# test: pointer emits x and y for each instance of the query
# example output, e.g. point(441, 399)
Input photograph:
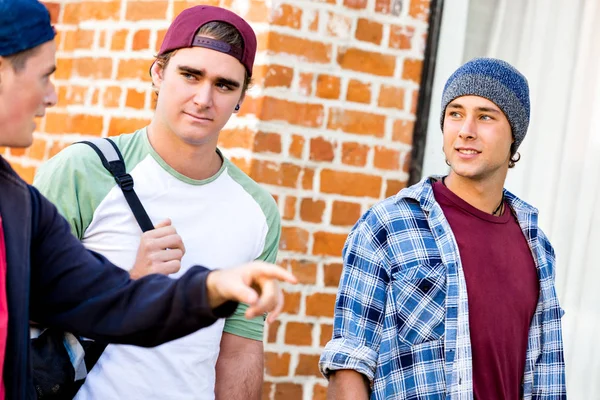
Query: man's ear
point(156, 73)
point(239, 103)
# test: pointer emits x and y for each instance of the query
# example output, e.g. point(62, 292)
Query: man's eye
point(454, 114)
point(486, 118)
point(223, 86)
point(188, 76)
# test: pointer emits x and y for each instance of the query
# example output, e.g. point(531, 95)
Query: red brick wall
point(327, 128)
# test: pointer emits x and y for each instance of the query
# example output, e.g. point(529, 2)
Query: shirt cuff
point(198, 301)
point(341, 353)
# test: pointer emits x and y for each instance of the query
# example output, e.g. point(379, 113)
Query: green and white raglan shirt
point(224, 221)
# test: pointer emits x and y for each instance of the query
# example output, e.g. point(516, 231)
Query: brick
point(419, 9)
point(369, 31)
point(118, 125)
point(308, 365)
point(312, 210)
point(134, 69)
point(102, 39)
point(366, 61)
point(319, 392)
point(265, 142)
point(160, 36)
point(305, 271)
point(358, 91)
point(328, 87)
point(403, 131)
point(53, 10)
point(135, 99)
point(414, 102)
point(280, 174)
point(412, 70)
point(355, 154)
point(305, 83)
point(320, 304)
point(338, 26)
point(119, 39)
point(294, 239)
point(308, 178)
point(273, 329)
point(289, 209)
point(274, 76)
point(321, 149)
point(141, 40)
point(401, 37)
point(291, 302)
point(393, 187)
point(146, 10)
point(304, 49)
point(76, 123)
point(56, 148)
point(84, 39)
point(243, 164)
point(391, 96)
point(64, 68)
point(345, 213)
point(350, 121)
point(302, 114)
point(314, 22)
point(383, 6)
point(236, 138)
point(37, 150)
point(297, 146)
point(328, 244)
point(406, 163)
point(74, 13)
point(27, 173)
point(386, 158)
point(288, 391)
point(267, 387)
point(180, 5)
point(277, 364)
point(356, 4)
point(75, 95)
point(111, 96)
point(350, 183)
point(286, 15)
point(258, 10)
point(98, 68)
point(298, 333)
point(326, 334)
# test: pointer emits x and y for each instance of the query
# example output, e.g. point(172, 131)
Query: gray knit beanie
point(497, 81)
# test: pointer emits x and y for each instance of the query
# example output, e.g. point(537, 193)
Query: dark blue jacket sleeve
point(82, 292)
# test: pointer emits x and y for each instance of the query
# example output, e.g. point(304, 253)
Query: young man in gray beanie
point(47, 276)
point(448, 289)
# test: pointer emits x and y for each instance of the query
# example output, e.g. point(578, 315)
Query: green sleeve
point(237, 324)
point(76, 182)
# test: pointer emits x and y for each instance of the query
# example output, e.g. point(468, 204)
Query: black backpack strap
point(112, 159)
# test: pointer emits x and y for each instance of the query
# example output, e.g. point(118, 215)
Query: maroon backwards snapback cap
point(182, 33)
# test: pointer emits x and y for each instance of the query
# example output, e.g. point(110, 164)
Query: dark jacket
point(53, 280)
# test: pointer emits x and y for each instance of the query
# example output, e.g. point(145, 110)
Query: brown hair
point(18, 60)
point(217, 30)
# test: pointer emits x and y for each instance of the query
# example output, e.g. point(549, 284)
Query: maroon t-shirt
point(503, 289)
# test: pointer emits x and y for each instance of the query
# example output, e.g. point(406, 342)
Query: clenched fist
point(160, 251)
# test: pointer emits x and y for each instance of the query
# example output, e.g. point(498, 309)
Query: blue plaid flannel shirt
point(401, 315)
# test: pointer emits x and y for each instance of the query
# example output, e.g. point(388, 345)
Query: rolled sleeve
point(348, 354)
point(360, 303)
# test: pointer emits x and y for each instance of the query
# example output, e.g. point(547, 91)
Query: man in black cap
point(47, 276)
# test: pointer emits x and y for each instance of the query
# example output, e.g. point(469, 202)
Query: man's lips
point(467, 151)
point(198, 117)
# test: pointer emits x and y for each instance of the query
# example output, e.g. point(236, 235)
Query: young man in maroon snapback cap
point(200, 76)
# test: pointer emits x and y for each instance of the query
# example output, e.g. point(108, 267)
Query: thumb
point(163, 223)
point(241, 292)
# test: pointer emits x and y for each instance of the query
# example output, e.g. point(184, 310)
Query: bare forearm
point(348, 385)
point(239, 369)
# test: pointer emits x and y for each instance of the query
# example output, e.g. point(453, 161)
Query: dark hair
point(217, 30)
point(18, 60)
point(515, 156)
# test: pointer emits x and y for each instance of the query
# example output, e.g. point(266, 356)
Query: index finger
point(269, 271)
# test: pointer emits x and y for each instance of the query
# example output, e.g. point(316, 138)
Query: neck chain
point(497, 212)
